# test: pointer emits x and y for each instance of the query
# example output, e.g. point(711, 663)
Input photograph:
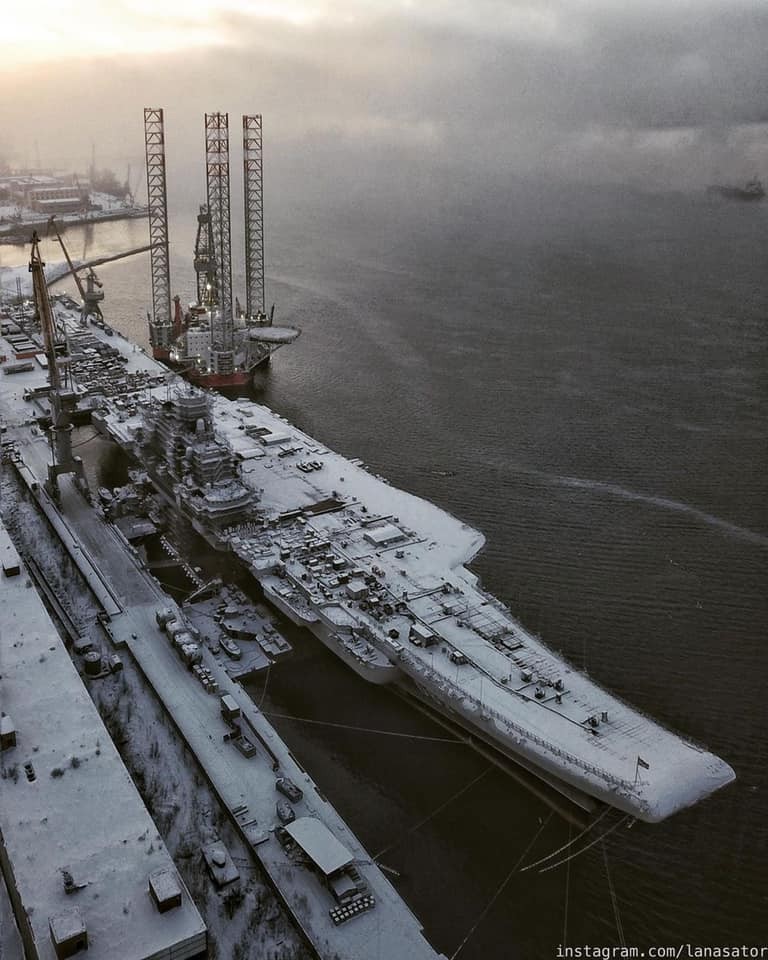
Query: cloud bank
point(405, 95)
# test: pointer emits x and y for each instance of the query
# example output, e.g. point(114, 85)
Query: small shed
point(230, 708)
point(165, 889)
point(422, 636)
point(10, 559)
point(357, 589)
point(384, 535)
point(327, 853)
point(7, 732)
point(68, 933)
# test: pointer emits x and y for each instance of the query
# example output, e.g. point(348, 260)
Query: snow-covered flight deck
point(379, 576)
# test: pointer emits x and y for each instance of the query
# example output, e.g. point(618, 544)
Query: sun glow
point(67, 29)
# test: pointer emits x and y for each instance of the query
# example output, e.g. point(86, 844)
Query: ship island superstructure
point(380, 577)
point(215, 342)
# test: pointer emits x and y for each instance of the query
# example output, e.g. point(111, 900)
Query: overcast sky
point(646, 92)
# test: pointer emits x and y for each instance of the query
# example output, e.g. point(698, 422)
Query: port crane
point(61, 394)
point(92, 293)
point(205, 261)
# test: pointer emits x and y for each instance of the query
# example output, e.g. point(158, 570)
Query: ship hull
point(219, 381)
point(737, 193)
point(582, 791)
point(213, 381)
point(379, 674)
point(523, 766)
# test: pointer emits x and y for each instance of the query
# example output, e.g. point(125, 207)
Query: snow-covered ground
point(81, 841)
point(11, 214)
point(251, 922)
point(9, 275)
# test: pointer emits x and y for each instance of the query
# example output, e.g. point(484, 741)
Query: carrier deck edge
point(379, 576)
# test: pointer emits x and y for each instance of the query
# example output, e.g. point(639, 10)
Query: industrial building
point(83, 863)
point(44, 193)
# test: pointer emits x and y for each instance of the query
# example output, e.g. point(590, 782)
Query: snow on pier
point(77, 840)
point(245, 784)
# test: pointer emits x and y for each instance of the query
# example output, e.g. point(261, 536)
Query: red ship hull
point(240, 378)
point(214, 381)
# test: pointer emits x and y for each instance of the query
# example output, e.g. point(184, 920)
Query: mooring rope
point(567, 891)
point(434, 813)
point(578, 853)
point(614, 899)
point(266, 681)
point(348, 726)
point(549, 856)
point(500, 889)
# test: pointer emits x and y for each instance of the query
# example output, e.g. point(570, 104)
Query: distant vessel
point(752, 190)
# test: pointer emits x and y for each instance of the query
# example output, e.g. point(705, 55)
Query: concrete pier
point(245, 786)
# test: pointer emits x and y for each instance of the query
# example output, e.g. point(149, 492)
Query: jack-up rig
point(61, 395)
point(215, 343)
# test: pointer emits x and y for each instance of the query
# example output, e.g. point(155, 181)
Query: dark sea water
point(581, 375)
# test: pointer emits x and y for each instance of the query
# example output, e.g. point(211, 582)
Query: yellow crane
point(62, 397)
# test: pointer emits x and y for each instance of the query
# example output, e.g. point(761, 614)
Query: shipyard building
point(84, 866)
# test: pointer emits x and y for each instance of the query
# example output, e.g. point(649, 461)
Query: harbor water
point(582, 376)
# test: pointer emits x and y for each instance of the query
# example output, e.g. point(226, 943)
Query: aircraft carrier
point(379, 577)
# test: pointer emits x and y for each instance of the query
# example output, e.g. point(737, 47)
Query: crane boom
point(62, 397)
point(43, 303)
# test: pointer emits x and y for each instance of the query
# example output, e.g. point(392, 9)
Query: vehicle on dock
point(285, 813)
point(288, 789)
point(164, 616)
point(230, 708)
point(230, 647)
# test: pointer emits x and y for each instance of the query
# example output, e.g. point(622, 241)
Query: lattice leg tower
point(254, 216)
point(217, 183)
point(160, 325)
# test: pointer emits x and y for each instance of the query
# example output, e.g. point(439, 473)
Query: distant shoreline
point(14, 235)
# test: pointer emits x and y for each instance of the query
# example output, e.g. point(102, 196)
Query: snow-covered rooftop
point(68, 808)
point(319, 844)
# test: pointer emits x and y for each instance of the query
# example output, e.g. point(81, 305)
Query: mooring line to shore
point(434, 813)
point(349, 726)
point(570, 843)
point(614, 899)
point(578, 853)
point(567, 892)
point(500, 888)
